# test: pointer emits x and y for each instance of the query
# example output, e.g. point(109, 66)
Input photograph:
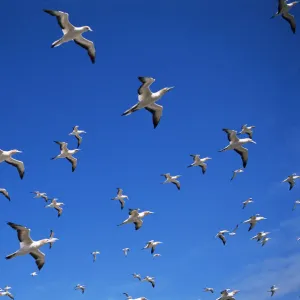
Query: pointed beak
point(170, 88)
point(253, 142)
point(91, 29)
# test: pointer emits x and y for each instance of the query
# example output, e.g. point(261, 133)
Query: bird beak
point(253, 142)
point(90, 29)
point(170, 88)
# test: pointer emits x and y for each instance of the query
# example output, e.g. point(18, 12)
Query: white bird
point(127, 296)
point(233, 232)
point(236, 172)
point(125, 251)
point(291, 180)
point(66, 153)
point(199, 162)
point(80, 287)
point(226, 295)
point(8, 294)
point(56, 205)
point(33, 274)
point(95, 253)
point(264, 240)
point(295, 204)
point(236, 144)
point(172, 179)
point(120, 197)
point(40, 195)
point(221, 236)
point(7, 157)
point(28, 246)
point(283, 10)
point(77, 133)
point(137, 276)
point(247, 130)
point(260, 236)
point(253, 220)
point(72, 33)
point(5, 193)
point(152, 245)
point(150, 279)
point(245, 203)
point(273, 290)
point(140, 298)
point(208, 290)
point(136, 218)
point(147, 100)
point(156, 255)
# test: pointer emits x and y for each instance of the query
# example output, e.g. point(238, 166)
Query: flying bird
point(208, 290)
point(120, 197)
point(72, 33)
point(291, 180)
point(264, 240)
point(33, 274)
point(7, 157)
point(273, 290)
point(260, 236)
point(221, 236)
point(236, 172)
point(77, 133)
point(80, 287)
point(127, 296)
point(245, 203)
point(6, 293)
point(152, 245)
point(253, 220)
point(156, 255)
point(137, 276)
point(172, 179)
point(147, 100)
point(125, 251)
point(40, 195)
point(247, 130)
point(136, 218)
point(150, 279)
point(199, 162)
point(56, 205)
point(295, 204)
point(233, 232)
point(95, 253)
point(5, 194)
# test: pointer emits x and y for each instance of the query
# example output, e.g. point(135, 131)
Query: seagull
point(147, 100)
point(221, 236)
point(40, 195)
point(80, 287)
point(273, 290)
point(127, 296)
point(247, 130)
point(77, 133)
point(50, 237)
point(171, 179)
point(8, 294)
point(253, 220)
point(283, 10)
point(125, 251)
point(208, 290)
point(120, 197)
point(95, 253)
point(233, 232)
point(245, 203)
point(265, 240)
point(236, 172)
point(66, 153)
point(138, 276)
point(136, 218)
point(260, 235)
point(150, 279)
point(236, 144)
point(199, 162)
point(28, 246)
point(295, 204)
point(156, 255)
point(5, 193)
point(7, 157)
point(56, 205)
point(72, 33)
point(33, 274)
point(152, 244)
point(291, 179)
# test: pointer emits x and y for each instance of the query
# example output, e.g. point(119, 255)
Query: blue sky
point(239, 67)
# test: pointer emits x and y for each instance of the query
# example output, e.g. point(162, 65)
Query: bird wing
point(5, 193)
point(203, 167)
point(62, 145)
point(51, 236)
point(59, 210)
point(280, 5)
point(75, 128)
point(249, 133)
point(231, 135)
point(177, 183)
point(144, 88)
point(222, 238)
point(122, 202)
point(73, 161)
point(88, 45)
point(62, 19)
point(120, 192)
point(79, 139)
point(23, 233)
point(39, 258)
point(133, 212)
point(290, 18)
point(18, 164)
point(152, 282)
point(138, 224)
point(156, 111)
point(252, 224)
point(243, 152)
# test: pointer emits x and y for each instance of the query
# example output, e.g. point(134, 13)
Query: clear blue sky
point(230, 64)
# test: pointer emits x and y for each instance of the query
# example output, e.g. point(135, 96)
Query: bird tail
point(10, 256)
point(56, 43)
point(130, 110)
point(55, 157)
point(223, 149)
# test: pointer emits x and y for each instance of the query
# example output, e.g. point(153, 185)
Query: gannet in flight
point(291, 180)
point(77, 133)
point(245, 203)
point(8, 294)
point(136, 218)
point(236, 172)
point(5, 194)
point(95, 253)
point(283, 10)
point(40, 195)
point(28, 246)
point(295, 204)
point(33, 274)
point(151, 244)
point(208, 290)
point(156, 255)
point(233, 232)
point(147, 100)
point(120, 197)
point(236, 144)
point(56, 205)
point(221, 236)
point(199, 162)
point(253, 220)
point(150, 279)
point(80, 287)
point(72, 33)
point(264, 240)
point(226, 295)
point(260, 236)
point(125, 251)
point(247, 130)
point(273, 290)
point(171, 179)
point(138, 276)
point(66, 153)
point(127, 296)
point(7, 157)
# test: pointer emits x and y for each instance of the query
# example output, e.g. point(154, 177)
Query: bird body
point(137, 276)
point(208, 290)
point(152, 245)
point(125, 251)
point(260, 236)
point(235, 173)
point(95, 253)
point(291, 180)
point(150, 279)
point(136, 218)
point(80, 287)
point(273, 290)
point(33, 274)
point(245, 203)
point(40, 195)
point(7, 157)
point(56, 205)
point(199, 162)
point(253, 220)
point(247, 130)
point(120, 197)
point(172, 179)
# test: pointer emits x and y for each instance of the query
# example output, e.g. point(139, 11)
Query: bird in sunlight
point(137, 276)
point(120, 197)
point(56, 205)
point(221, 236)
point(95, 253)
point(151, 245)
point(147, 100)
point(136, 218)
point(226, 295)
point(199, 162)
point(33, 274)
point(253, 220)
point(260, 236)
point(40, 195)
point(236, 144)
point(67, 154)
point(247, 130)
point(291, 180)
point(233, 232)
point(80, 287)
point(171, 179)
point(150, 280)
point(7, 157)
point(125, 251)
point(127, 296)
point(245, 203)
point(208, 290)
point(5, 194)
point(156, 255)
point(265, 240)
point(77, 133)
point(236, 172)
point(6, 293)
point(295, 204)
point(273, 290)
point(28, 246)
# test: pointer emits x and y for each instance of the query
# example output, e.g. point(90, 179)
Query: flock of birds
point(146, 100)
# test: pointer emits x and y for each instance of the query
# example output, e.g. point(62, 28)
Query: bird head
point(148, 212)
point(52, 240)
point(251, 141)
point(87, 28)
point(167, 89)
point(16, 151)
